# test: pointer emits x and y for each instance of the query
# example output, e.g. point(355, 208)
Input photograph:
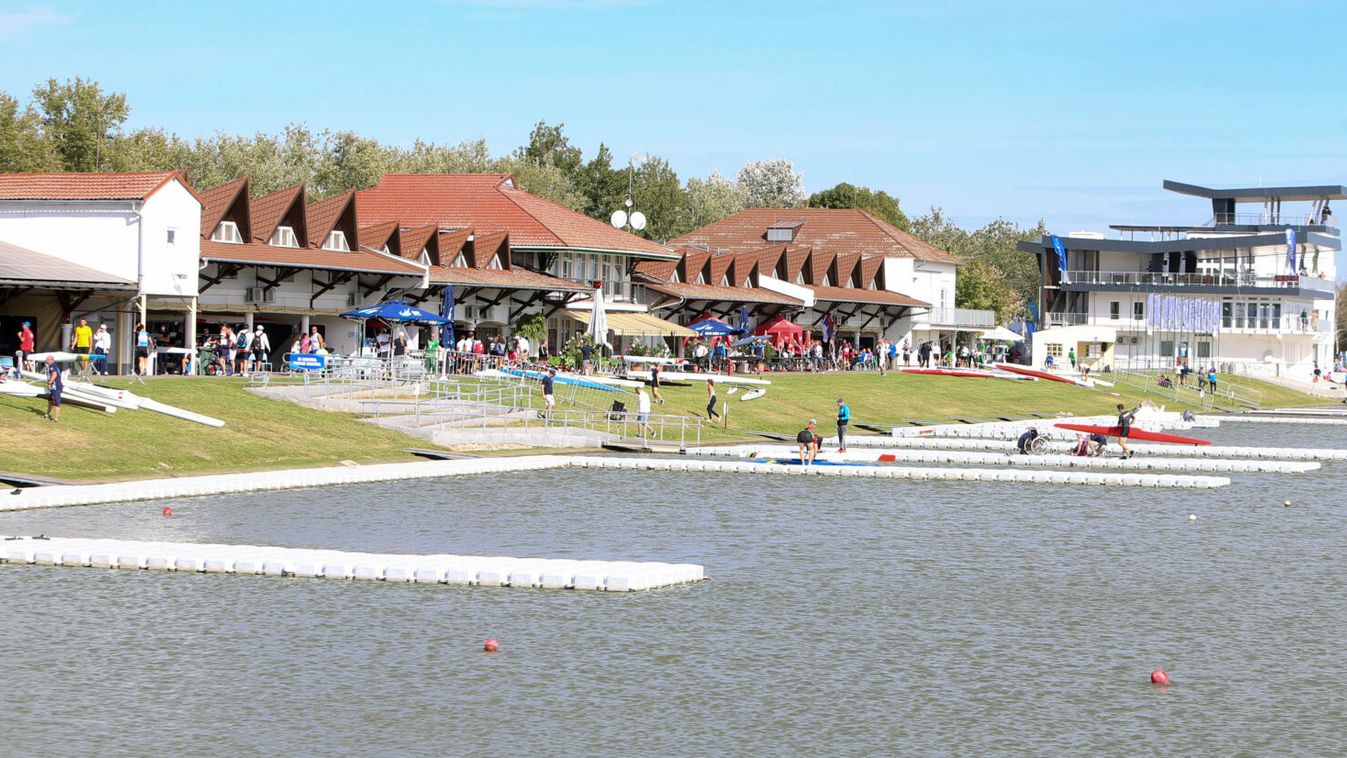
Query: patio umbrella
point(598, 321)
point(395, 311)
point(711, 327)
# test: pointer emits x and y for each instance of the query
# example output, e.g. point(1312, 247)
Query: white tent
point(1001, 334)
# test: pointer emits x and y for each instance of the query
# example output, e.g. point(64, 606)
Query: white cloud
point(13, 24)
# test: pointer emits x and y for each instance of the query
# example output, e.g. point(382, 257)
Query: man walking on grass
point(55, 385)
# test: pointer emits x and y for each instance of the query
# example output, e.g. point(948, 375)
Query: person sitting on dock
point(1125, 427)
point(1027, 440)
point(807, 443)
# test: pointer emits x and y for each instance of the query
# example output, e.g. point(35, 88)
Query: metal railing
point(1227, 395)
point(1056, 318)
point(1263, 219)
point(968, 317)
point(1214, 279)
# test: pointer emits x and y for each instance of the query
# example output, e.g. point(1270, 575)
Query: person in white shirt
point(102, 344)
point(522, 345)
point(643, 411)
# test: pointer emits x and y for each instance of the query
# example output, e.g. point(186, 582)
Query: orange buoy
point(491, 645)
point(167, 511)
point(1159, 676)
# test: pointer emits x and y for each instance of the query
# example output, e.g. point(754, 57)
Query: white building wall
point(170, 268)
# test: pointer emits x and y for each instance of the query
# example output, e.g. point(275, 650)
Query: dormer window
point(725, 281)
point(701, 279)
point(674, 279)
point(826, 281)
point(336, 241)
point(495, 263)
point(284, 236)
point(423, 259)
point(227, 231)
point(783, 231)
point(460, 260)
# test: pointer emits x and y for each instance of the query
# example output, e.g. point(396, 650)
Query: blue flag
point(1061, 252)
point(1291, 249)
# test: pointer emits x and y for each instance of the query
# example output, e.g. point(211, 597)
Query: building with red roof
point(97, 232)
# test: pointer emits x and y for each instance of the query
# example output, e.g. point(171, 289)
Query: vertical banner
point(1291, 249)
point(447, 307)
point(1061, 253)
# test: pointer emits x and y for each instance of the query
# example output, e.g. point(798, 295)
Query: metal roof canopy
point(20, 266)
point(1261, 194)
point(634, 324)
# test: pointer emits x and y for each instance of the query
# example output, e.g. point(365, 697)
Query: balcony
point(960, 318)
point(1291, 283)
point(1065, 319)
point(1230, 324)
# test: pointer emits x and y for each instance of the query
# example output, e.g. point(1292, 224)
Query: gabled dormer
point(821, 273)
point(783, 231)
point(279, 219)
point(225, 213)
point(694, 266)
point(333, 223)
point(453, 247)
point(490, 250)
point(420, 243)
point(872, 272)
point(845, 268)
point(382, 238)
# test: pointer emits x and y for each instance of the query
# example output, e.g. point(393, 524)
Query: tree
point(707, 200)
point(604, 187)
point(771, 184)
point(548, 144)
point(22, 145)
point(80, 122)
point(348, 160)
point(995, 244)
point(429, 158)
point(982, 286)
point(658, 194)
point(148, 150)
point(879, 204)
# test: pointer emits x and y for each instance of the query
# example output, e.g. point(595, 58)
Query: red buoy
point(491, 645)
point(1159, 676)
point(167, 511)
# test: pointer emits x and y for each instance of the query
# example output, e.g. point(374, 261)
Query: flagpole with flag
point(447, 306)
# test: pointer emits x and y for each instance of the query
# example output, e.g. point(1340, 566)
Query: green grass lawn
point(793, 399)
point(259, 433)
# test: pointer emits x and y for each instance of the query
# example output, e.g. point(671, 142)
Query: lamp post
point(626, 218)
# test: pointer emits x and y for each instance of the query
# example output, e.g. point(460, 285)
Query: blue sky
point(1069, 111)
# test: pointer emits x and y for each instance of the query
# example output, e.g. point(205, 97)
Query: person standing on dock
point(55, 385)
point(805, 439)
point(1125, 428)
point(711, 400)
point(843, 419)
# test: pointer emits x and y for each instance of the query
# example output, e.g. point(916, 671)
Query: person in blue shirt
point(843, 418)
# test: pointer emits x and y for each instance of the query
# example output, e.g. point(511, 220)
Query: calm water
point(852, 617)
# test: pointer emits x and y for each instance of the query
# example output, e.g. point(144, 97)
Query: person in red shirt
point(25, 347)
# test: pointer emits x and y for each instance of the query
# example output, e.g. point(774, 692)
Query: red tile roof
point(259, 254)
point(517, 278)
point(835, 230)
point(216, 201)
point(491, 201)
point(853, 295)
point(269, 210)
point(375, 236)
point(82, 186)
point(324, 215)
point(418, 238)
point(691, 292)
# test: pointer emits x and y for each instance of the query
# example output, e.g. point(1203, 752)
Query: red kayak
point(1026, 371)
point(950, 372)
point(1134, 433)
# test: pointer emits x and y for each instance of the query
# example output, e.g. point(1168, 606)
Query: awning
point(626, 324)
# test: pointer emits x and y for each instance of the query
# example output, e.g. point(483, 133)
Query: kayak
point(1026, 371)
point(950, 372)
point(796, 462)
point(1141, 435)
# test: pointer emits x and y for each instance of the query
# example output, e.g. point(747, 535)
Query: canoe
point(1026, 371)
point(1141, 435)
point(754, 394)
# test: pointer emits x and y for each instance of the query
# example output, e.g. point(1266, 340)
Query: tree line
point(75, 126)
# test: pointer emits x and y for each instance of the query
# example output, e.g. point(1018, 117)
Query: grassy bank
point(897, 398)
point(258, 434)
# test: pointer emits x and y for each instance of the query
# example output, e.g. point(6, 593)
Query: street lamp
point(626, 218)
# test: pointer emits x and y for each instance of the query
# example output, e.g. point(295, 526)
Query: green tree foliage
point(80, 122)
point(771, 184)
point(549, 145)
point(707, 200)
point(546, 180)
point(22, 144)
point(1003, 267)
point(879, 204)
point(604, 187)
point(657, 193)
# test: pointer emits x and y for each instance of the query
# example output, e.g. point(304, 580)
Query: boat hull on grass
point(1140, 435)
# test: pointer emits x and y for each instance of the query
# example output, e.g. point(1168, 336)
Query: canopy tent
point(1001, 334)
point(781, 330)
point(395, 312)
point(712, 327)
point(635, 324)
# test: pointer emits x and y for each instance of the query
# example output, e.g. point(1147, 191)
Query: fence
point(1228, 395)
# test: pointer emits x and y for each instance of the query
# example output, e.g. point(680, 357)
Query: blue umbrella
point(712, 327)
point(395, 311)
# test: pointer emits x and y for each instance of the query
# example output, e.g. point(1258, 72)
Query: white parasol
point(598, 320)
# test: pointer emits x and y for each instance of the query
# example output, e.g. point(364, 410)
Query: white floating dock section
point(1010, 430)
point(1141, 448)
point(1279, 420)
point(483, 571)
point(1004, 458)
point(899, 472)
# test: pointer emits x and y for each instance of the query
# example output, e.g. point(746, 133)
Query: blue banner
point(307, 362)
point(447, 307)
point(1291, 249)
point(1061, 252)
